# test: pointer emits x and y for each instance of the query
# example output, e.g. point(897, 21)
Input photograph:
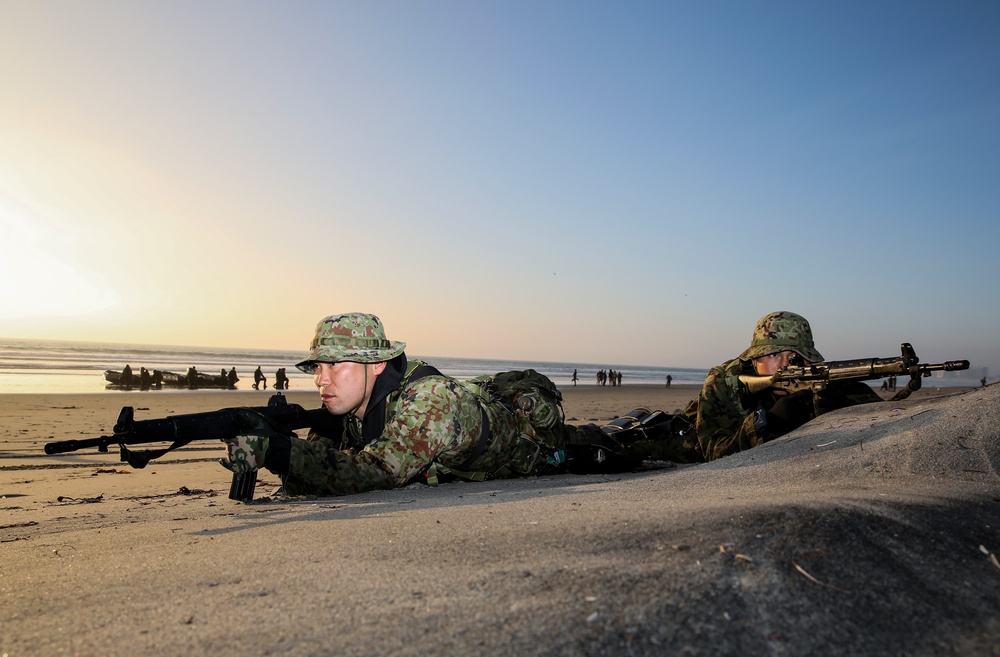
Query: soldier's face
point(768, 365)
point(346, 387)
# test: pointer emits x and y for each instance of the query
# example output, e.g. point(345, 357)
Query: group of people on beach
point(280, 379)
point(396, 420)
point(193, 379)
point(610, 377)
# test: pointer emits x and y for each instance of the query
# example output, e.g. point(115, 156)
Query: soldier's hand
point(790, 412)
point(245, 453)
point(248, 451)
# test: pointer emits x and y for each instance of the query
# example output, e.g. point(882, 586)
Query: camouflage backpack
point(536, 404)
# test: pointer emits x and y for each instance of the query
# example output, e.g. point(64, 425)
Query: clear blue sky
point(608, 182)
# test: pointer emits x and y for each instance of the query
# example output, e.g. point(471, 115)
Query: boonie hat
point(782, 331)
point(353, 337)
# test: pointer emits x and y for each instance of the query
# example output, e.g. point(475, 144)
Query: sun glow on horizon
point(37, 282)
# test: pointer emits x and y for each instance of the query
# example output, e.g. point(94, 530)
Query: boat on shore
point(163, 379)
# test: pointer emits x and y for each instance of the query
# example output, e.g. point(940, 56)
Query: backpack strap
point(384, 404)
point(415, 370)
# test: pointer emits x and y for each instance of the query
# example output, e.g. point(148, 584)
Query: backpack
point(536, 405)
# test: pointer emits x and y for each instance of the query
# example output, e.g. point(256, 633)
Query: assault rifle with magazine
point(179, 430)
point(816, 376)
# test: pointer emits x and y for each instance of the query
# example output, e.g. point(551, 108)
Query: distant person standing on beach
point(669, 380)
point(728, 420)
point(259, 379)
point(404, 421)
point(574, 378)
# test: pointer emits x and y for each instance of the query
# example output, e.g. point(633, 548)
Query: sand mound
point(873, 531)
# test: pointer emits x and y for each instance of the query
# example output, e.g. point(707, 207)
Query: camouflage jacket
point(409, 425)
point(724, 419)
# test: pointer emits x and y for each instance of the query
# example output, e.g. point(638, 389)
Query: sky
point(596, 182)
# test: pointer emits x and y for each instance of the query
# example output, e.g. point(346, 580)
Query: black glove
point(259, 444)
point(789, 413)
point(831, 399)
point(251, 423)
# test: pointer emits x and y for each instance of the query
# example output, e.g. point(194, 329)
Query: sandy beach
point(873, 530)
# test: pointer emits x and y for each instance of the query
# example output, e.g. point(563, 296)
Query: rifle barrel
point(63, 446)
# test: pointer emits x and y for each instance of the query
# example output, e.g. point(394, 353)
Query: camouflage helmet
point(353, 337)
point(782, 331)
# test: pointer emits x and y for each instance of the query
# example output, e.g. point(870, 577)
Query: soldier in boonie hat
point(782, 331)
point(728, 417)
point(392, 421)
point(353, 337)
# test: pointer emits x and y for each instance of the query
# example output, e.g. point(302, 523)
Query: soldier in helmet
point(727, 419)
point(404, 421)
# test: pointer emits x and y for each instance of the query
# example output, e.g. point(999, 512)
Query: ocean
point(49, 366)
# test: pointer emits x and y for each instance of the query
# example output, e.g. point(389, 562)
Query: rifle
point(816, 376)
point(182, 429)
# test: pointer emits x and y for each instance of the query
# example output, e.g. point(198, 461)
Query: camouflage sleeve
point(319, 467)
point(722, 425)
point(434, 419)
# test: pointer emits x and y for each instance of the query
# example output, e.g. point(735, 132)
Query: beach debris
point(680, 547)
point(826, 444)
point(62, 499)
point(30, 523)
point(992, 557)
point(184, 490)
point(98, 471)
point(812, 579)
point(11, 540)
point(742, 557)
point(594, 617)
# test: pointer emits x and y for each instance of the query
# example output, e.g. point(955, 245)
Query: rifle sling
point(139, 458)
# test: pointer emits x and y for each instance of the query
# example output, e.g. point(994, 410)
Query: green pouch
point(525, 455)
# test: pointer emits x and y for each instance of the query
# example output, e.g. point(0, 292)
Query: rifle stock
point(816, 376)
point(180, 430)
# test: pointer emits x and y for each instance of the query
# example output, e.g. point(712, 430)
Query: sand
point(870, 531)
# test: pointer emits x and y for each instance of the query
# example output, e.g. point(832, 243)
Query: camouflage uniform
point(434, 420)
point(727, 419)
point(421, 423)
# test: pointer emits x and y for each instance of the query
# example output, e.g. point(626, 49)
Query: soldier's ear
point(378, 368)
